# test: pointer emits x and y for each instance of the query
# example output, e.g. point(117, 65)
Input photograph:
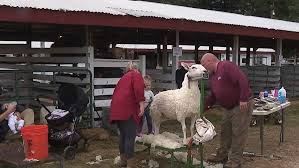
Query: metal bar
point(261, 122)
point(202, 96)
point(282, 126)
point(172, 160)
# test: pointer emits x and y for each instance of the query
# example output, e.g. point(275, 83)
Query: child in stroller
point(62, 122)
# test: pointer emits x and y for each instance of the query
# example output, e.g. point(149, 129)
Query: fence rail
point(290, 80)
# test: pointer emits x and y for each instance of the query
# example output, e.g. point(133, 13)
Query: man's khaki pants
point(234, 130)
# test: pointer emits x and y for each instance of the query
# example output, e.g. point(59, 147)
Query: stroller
point(62, 122)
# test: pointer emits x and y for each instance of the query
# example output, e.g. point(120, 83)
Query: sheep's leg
point(157, 126)
point(184, 131)
point(193, 119)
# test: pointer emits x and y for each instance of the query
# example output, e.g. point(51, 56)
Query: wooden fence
point(262, 77)
point(290, 79)
point(32, 73)
point(161, 81)
point(37, 72)
point(107, 72)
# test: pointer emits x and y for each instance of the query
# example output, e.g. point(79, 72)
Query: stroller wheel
point(69, 153)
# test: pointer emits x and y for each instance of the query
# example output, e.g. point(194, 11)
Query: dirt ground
point(288, 152)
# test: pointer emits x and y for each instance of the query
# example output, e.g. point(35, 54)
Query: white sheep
point(180, 103)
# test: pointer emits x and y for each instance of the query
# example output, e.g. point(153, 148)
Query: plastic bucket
point(35, 139)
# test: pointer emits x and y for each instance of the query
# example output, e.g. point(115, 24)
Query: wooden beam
point(103, 92)
point(68, 50)
point(44, 60)
point(112, 63)
point(106, 81)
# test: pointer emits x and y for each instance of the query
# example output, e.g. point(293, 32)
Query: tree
point(279, 9)
point(293, 7)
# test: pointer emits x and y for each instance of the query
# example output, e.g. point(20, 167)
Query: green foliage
point(278, 9)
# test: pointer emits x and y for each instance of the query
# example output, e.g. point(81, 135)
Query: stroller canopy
point(72, 98)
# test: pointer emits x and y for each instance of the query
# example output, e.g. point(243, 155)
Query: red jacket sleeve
point(138, 86)
point(237, 76)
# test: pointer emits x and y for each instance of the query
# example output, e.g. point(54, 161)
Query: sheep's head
point(196, 72)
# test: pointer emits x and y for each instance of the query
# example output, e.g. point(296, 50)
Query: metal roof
point(156, 10)
point(186, 47)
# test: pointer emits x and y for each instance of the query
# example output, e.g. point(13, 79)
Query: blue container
point(266, 93)
point(282, 95)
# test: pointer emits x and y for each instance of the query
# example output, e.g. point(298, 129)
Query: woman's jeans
point(127, 129)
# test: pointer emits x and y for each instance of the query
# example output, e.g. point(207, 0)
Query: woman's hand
point(141, 107)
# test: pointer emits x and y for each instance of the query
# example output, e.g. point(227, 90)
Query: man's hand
point(243, 106)
point(9, 108)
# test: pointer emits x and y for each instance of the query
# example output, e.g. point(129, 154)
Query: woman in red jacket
point(127, 108)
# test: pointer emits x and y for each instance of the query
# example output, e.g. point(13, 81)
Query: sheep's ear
point(185, 65)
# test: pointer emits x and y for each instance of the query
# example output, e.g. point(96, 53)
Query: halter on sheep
point(180, 103)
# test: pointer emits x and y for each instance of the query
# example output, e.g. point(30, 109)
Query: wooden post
point(254, 56)
point(165, 54)
point(159, 54)
point(175, 58)
point(296, 52)
point(90, 55)
point(227, 53)
point(142, 64)
point(236, 49)
point(196, 54)
point(210, 48)
point(278, 56)
point(27, 76)
point(248, 56)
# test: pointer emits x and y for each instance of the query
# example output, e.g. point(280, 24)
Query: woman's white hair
point(132, 66)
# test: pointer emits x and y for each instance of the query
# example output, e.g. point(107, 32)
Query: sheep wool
point(165, 140)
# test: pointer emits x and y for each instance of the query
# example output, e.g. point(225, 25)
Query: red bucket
point(35, 138)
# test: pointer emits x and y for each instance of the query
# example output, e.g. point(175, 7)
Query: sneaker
point(151, 133)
